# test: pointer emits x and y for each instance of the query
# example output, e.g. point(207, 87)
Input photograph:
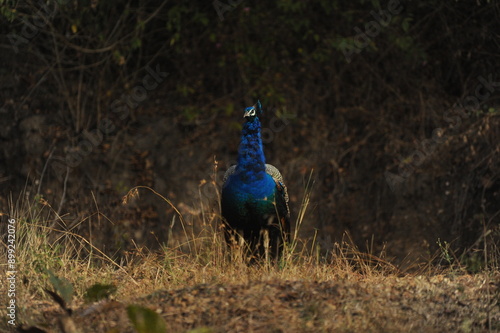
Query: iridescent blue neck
point(251, 161)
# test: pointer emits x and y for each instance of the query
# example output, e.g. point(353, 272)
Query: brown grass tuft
point(198, 283)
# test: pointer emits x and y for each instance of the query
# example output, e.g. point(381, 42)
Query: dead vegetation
point(207, 290)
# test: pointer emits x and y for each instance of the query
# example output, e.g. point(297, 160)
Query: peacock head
point(252, 112)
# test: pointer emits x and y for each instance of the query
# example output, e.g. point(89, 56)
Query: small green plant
point(8, 10)
point(445, 251)
point(62, 287)
point(201, 330)
point(145, 320)
point(99, 291)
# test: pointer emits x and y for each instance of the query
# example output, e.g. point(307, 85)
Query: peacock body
point(254, 198)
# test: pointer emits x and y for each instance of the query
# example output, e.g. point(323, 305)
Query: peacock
point(254, 198)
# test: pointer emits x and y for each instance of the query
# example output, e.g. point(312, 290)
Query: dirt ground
point(440, 303)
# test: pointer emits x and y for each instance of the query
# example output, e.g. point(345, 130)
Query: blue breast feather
point(256, 189)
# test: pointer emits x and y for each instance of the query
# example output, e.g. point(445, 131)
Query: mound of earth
point(380, 304)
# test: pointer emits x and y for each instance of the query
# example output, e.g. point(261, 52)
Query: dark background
point(393, 106)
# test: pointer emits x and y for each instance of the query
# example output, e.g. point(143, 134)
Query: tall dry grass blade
point(134, 192)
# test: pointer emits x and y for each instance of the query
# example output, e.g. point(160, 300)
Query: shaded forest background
point(393, 105)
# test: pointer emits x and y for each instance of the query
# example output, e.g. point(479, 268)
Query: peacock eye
point(252, 112)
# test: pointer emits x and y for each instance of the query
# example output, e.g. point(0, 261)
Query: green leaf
point(229, 109)
point(99, 291)
point(406, 24)
point(136, 43)
point(201, 330)
point(62, 287)
point(145, 320)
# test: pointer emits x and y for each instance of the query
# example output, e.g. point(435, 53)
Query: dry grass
point(307, 291)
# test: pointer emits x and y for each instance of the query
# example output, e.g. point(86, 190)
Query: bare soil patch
point(467, 303)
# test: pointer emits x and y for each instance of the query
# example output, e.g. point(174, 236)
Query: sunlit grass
point(199, 256)
point(44, 244)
